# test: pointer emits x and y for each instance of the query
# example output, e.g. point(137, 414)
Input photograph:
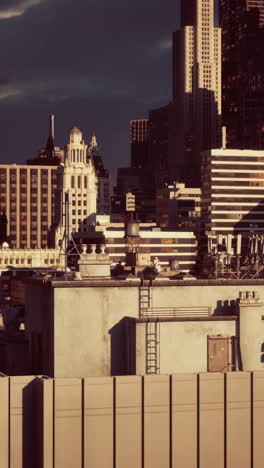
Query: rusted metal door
point(218, 354)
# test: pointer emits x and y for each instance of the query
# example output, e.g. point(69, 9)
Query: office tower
point(139, 141)
point(231, 11)
point(77, 186)
point(27, 198)
point(196, 87)
point(233, 191)
point(257, 4)
point(159, 144)
point(178, 207)
point(103, 178)
point(140, 183)
point(242, 23)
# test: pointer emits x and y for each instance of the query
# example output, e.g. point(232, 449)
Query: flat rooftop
point(117, 283)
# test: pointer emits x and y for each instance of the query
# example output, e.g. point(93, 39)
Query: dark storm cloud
point(115, 53)
point(78, 47)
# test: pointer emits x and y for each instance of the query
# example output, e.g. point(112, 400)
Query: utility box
point(218, 353)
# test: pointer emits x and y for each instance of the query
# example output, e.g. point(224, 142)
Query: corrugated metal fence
point(179, 421)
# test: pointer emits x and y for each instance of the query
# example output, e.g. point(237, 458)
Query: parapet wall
point(184, 420)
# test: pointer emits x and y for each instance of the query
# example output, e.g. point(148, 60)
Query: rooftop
point(118, 283)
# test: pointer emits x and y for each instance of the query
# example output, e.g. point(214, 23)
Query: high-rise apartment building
point(27, 197)
point(242, 23)
point(233, 191)
point(196, 85)
point(139, 140)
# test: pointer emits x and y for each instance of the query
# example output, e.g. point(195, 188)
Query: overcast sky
point(95, 64)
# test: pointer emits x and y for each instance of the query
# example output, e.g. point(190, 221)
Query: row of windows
point(79, 203)
point(79, 212)
point(79, 182)
point(24, 261)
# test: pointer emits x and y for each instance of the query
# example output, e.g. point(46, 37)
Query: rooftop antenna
point(50, 141)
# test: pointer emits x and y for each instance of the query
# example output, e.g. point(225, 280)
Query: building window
point(72, 182)
point(79, 181)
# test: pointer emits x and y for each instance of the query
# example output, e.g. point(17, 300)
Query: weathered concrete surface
point(183, 345)
point(86, 327)
point(251, 327)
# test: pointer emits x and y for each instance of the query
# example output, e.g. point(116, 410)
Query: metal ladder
point(145, 295)
point(152, 347)
point(152, 329)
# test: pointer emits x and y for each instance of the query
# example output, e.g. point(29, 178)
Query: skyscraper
point(27, 198)
point(139, 140)
point(231, 11)
point(233, 191)
point(242, 23)
point(257, 4)
point(196, 85)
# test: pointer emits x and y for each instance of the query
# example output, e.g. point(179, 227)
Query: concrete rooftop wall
point(88, 338)
point(182, 345)
point(82, 332)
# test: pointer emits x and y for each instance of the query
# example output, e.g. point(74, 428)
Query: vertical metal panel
point(19, 423)
point(184, 421)
point(98, 422)
point(46, 421)
point(258, 418)
point(128, 422)
point(156, 421)
point(211, 420)
point(4, 422)
point(238, 420)
point(68, 423)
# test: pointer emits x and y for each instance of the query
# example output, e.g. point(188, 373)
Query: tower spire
point(93, 142)
point(52, 121)
point(50, 141)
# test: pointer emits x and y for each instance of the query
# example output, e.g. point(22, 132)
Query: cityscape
point(132, 304)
